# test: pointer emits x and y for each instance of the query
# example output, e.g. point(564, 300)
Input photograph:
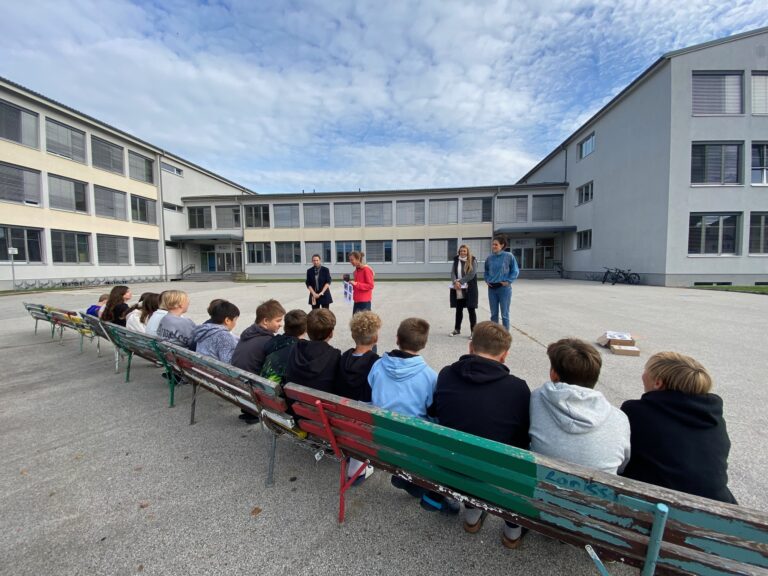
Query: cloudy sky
point(331, 95)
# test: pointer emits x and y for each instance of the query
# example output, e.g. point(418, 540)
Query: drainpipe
point(160, 155)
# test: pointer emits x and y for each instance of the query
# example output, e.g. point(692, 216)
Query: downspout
point(160, 155)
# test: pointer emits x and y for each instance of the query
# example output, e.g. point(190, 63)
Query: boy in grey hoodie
point(570, 420)
point(214, 338)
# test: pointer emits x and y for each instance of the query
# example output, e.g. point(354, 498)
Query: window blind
point(717, 93)
point(64, 141)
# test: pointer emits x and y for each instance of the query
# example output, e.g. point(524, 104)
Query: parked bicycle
point(615, 275)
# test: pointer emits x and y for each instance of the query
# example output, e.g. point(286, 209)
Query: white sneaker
point(367, 473)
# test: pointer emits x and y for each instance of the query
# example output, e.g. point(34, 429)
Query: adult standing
point(464, 288)
point(319, 284)
point(500, 271)
point(362, 282)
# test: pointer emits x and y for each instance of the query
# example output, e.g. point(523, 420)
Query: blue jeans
point(360, 307)
point(499, 299)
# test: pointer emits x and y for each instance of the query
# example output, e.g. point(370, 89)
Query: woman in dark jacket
point(464, 288)
point(319, 284)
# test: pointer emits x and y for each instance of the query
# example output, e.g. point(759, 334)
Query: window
point(584, 193)
point(107, 156)
point(165, 167)
point(475, 210)
point(548, 208)
point(18, 125)
point(759, 92)
point(227, 216)
point(26, 240)
point(66, 194)
point(323, 249)
point(346, 214)
point(584, 240)
point(512, 209)
point(410, 212)
point(378, 251)
point(587, 146)
point(70, 247)
point(257, 216)
point(344, 247)
point(172, 207)
point(717, 93)
point(145, 251)
point(443, 212)
point(758, 233)
point(716, 163)
point(19, 185)
point(65, 141)
point(442, 250)
point(110, 203)
point(259, 252)
point(141, 168)
point(143, 210)
point(378, 213)
point(288, 252)
point(112, 249)
point(410, 251)
point(317, 215)
point(759, 163)
point(199, 217)
point(480, 247)
point(713, 234)
point(286, 215)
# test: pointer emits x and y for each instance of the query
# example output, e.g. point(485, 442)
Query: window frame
point(415, 203)
point(452, 211)
point(115, 194)
point(325, 252)
point(321, 219)
point(73, 131)
point(416, 242)
point(540, 197)
point(235, 214)
point(109, 148)
point(171, 169)
point(763, 168)
point(386, 248)
point(251, 249)
point(586, 146)
point(355, 217)
point(149, 206)
point(136, 252)
point(584, 239)
point(515, 202)
point(148, 169)
point(706, 93)
point(485, 202)
point(30, 197)
point(720, 232)
point(384, 218)
point(74, 191)
point(762, 230)
point(22, 111)
point(294, 214)
point(706, 145)
point(450, 253)
point(119, 240)
point(251, 213)
point(78, 238)
point(585, 193)
point(8, 234)
point(344, 247)
point(295, 249)
point(193, 212)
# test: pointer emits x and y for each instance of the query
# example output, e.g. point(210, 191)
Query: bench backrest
point(142, 345)
point(69, 319)
point(574, 504)
point(37, 311)
point(94, 323)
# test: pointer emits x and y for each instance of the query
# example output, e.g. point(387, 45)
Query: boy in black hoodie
point(278, 349)
point(356, 362)
point(314, 362)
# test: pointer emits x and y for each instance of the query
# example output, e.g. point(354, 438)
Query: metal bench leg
point(36, 321)
point(82, 337)
point(194, 403)
point(128, 367)
point(117, 359)
point(171, 386)
point(272, 456)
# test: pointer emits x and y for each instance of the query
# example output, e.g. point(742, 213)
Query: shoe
point(475, 528)
point(363, 476)
point(402, 484)
point(454, 333)
point(512, 541)
point(249, 418)
point(446, 505)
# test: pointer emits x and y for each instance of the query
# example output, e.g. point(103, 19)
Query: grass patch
point(747, 289)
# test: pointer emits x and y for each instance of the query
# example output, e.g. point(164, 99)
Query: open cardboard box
point(611, 338)
point(625, 350)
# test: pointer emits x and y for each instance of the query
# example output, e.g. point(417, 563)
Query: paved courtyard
point(99, 476)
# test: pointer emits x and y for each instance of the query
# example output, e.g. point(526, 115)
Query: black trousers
point(460, 316)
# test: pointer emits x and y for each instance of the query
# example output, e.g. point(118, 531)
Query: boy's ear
point(503, 357)
point(471, 348)
point(658, 384)
point(375, 338)
point(554, 376)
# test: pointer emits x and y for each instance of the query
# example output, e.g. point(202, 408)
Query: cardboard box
point(610, 338)
point(625, 350)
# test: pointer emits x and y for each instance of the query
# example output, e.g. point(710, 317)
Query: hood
point(399, 369)
point(357, 367)
point(575, 409)
point(692, 410)
point(478, 370)
point(312, 357)
point(278, 343)
point(254, 330)
point(203, 331)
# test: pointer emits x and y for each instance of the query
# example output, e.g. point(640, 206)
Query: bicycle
point(618, 275)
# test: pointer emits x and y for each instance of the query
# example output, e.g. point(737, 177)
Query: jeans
point(360, 307)
point(499, 299)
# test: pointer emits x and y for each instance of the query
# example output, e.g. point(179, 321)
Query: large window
point(165, 167)
point(758, 233)
point(322, 249)
point(66, 194)
point(64, 140)
point(199, 217)
point(584, 193)
point(476, 210)
point(584, 240)
point(378, 213)
point(145, 251)
point(143, 210)
point(259, 252)
point(759, 163)
point(227, 216)
point(410, 212)
point(378, 251)
point(110, 203)
point(442, 250)
point(587, 146)
point(25, 240)
point(344, 247)
point(717, 93)
point(512, 209)
point(286, 215)
point(716, 163)
point(317, 215)
point(107, 156)
point(410, 251)
point(141, 168)
point(70, 247)
point(257, 216)
point(18, 125)
point(346, 214)
point(480, 247)
point(713, 234)
point(548, 208)
point(759, 92)
point(19, 184)
point(443, 212)
point(112, 249)
point(288, 252)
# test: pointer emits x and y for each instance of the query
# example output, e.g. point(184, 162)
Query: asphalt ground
point(99, 476)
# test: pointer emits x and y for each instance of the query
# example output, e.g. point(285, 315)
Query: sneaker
point(512, 538)
point(469, 515)
point(363, 476)
point(454, 333)
point(402, 484)
point(444, 505)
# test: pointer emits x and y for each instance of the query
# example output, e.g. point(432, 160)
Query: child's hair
point(116, 296)
point(679, 372)
point(222, 310)
point(490, 338)
point(412, 334)
point(104, 297)
point(295, 323)
point(468, 263)
point(575, 361)
point(269, 310)
point(171, 299)
point(357, 255)
point(501, 239)
point(211, 306)
point(320, 324)
point(364, 327)
point(161, 306)
point(150, 302)
point(139, 304)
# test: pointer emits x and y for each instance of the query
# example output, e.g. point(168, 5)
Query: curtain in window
point(717, 94)
point(317, 215)
point(288, 252)
point(18, 125)
point(227, 217)
point(321, 248)
point(346, 214)
point(512, 209)
point(442, 250)
point(106, 155)
point(110, 203)
point(66, 194)
point(140, 168)
point(443, 212)
point(410, 212)
point(410, 251)
point(65, 141)
point(378, 213)
point(19, 185)
point(547, 208)
point(480, 247)
point(474, 210)
point(112, 249)
point(759, 93)
point(145, 251)
point(378, 250)
point(286, 215)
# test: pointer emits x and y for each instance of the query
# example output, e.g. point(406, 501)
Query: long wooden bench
point(96, 326)
point(663, 531)
point(60, 319)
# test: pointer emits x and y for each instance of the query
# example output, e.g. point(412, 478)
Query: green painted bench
point(60, 319)
point(101, 333)
point(662, 531)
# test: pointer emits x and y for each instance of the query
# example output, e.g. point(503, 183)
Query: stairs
point(209, 277)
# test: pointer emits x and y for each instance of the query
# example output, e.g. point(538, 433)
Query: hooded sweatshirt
point(313, 363)
point(215, 340)
point(403, 383)
point(579, 425)
point(353, 375)
point(276, 354)
point(680, 441)
point(249, 352)
point(479, 396)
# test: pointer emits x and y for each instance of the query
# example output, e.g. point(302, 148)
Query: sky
point(332, 95)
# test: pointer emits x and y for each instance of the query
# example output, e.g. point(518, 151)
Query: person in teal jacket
point(500, 271)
